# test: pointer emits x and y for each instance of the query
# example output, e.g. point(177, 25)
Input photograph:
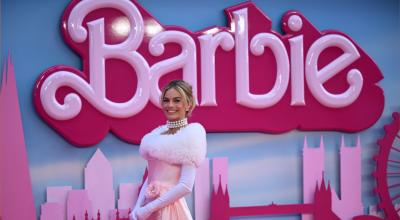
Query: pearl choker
point(177, 124)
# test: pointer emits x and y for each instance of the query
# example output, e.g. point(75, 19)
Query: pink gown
point(167, 157)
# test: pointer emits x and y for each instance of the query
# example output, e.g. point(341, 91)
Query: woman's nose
point(170, 104)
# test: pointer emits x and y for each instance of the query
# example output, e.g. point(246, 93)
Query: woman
point(173, 152)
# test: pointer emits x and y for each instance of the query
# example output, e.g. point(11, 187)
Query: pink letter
point(243, 95)
point(208, 45)
point(316, 78)
point(185, 60)
point(99, 51)
point(297, 70)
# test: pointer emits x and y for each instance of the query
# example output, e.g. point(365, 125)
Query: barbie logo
point(246, 77)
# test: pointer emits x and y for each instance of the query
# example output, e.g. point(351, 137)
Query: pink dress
point(166, 154)
point(177, 210)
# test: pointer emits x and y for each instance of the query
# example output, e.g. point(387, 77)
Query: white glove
point(143, 213)
point(181, 189)
point(132, 215)
point(139, 201)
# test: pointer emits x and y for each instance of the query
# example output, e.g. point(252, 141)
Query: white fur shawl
point(187, 146)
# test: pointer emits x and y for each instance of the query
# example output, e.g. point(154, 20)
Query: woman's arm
point(181, 189)
point(139, 201)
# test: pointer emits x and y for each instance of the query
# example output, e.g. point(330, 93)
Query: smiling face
point(174, 105)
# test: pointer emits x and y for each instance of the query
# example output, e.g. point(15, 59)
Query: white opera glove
point(132, 215)
point(139, 201)
point(181, 189)
point(143, 213)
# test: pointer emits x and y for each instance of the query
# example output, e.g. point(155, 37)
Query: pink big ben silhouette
point(349, 204)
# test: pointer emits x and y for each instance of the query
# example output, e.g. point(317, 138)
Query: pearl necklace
point(177, 124)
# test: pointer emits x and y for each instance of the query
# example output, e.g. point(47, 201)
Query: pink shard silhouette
point(15, 183)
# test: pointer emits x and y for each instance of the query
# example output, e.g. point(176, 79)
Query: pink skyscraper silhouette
point(16, 197)
point(99, 184)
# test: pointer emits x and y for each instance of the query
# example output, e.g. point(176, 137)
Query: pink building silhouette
point(220, 173)
point(313, 168)
point(78, 204)
point(202, 191)
point(97, 197)
point(349, 204)
point(98, 181)
point(128, 193)
point(99, 184)
point(56, 195)
point(320, 208)
point(52, 210)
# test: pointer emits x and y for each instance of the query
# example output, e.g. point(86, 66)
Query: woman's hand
point(132, 215)
point(143, 213)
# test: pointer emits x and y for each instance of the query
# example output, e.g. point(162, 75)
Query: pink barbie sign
point(246, 76)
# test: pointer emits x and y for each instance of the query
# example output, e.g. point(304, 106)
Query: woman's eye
point(177, 100)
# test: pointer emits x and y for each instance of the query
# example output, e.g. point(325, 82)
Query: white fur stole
point(188, 146)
